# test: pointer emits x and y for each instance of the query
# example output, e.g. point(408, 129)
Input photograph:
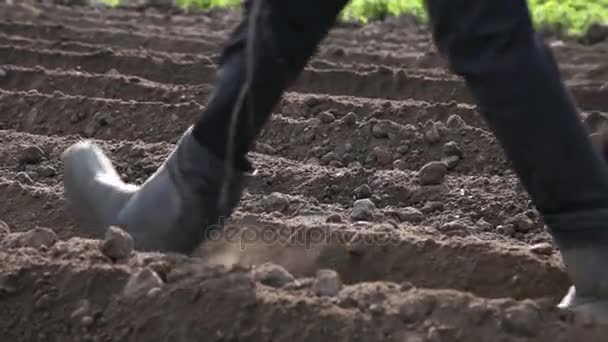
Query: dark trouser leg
point(288, 32)
point(516, 84)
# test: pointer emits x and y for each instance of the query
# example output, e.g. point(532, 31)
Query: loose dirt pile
point(375, 165)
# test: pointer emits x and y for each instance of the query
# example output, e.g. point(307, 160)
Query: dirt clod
point(276, 202)
point(31, 155)
point(455, 121)
point(363, 210)
point(141, 282)
point(326, 117)
point(272, 275)
point(327, 283)
point(409, 214)
point(432, 173)
point(382, 155)
point(117, 244)
point(452, 149)
point(522, 223)
point(522, 319)
point(362, 191)
point(543, 248)
point(35, 238)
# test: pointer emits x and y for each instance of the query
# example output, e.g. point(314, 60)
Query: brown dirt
point(374, 106)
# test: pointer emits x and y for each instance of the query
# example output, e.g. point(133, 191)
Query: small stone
point(432, 206)
point(141, 282)
point(455, 122)
point(334, 218)
point(522, 223)
point(452, 149)
point(382, 155)
point(543, 248)
point(327, 283)
point(276, 202)
point(380, 129)
point(46, 171)
point(410, 214)
point(432, 173)
point(523, 319)
point(326, 117)
point(329, 157)
point(2, 73)
point(431, 133)
point(403, 149)
point(506, 230)
point(363, 210)
point(456, 225)
point(31, 155)
point(117, 244)
point(400, 165)
point(350, 119)
point(35, 238)
point(362, 191)
point(86, 321)
point(451, 162)
point(272, 275)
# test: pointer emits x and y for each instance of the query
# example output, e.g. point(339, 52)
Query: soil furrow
point(371, 142)
point(359, 257)
point(383, 83)
point(391, 191)
point(375, 164)
point(57, 296)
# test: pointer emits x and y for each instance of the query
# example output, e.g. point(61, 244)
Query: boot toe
point(93, 187)
point(594, 308)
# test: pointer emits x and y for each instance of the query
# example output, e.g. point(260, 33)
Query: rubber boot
point(174, 210)
point(93, 188)
point(586, 267)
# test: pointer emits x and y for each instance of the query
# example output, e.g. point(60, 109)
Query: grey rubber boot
point(586, 267)
point(174, 210)
point(93, 188)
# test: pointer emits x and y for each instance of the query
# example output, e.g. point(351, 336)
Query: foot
point(173, 211)
point(589, 294)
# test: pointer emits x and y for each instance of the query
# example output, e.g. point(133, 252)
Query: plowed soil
point(466, 258)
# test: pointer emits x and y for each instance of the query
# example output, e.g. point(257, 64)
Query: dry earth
point(447, 251)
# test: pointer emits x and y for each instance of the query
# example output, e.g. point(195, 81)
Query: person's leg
point(287, 34)
point(516, 83)
point(201, 182)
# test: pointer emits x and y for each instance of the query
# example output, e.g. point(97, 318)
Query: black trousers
point(492, 44)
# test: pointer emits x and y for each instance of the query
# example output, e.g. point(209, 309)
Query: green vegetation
point(567, 16)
